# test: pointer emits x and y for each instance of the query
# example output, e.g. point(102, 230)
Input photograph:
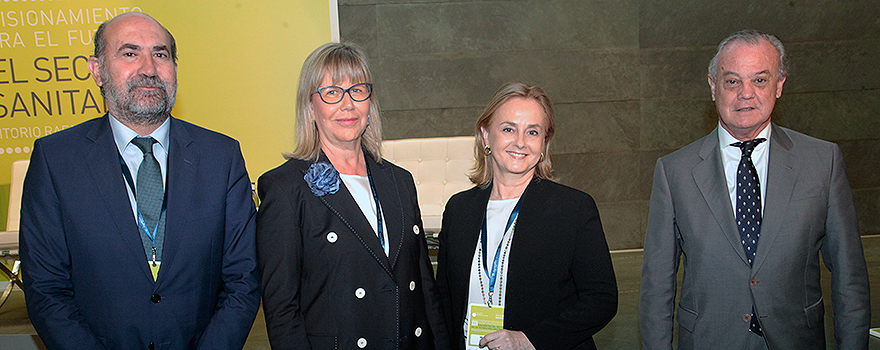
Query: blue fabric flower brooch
point(322, 179)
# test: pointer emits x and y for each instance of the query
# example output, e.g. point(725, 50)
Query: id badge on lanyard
point(482, 320)
point(485, 318)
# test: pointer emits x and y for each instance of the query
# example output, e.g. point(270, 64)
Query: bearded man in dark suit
point(137, 229)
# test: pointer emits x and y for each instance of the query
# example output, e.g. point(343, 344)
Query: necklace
point(488, 300)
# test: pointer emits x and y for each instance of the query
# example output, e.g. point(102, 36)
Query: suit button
point(152, 346)
point(360, 293)
point(331, 237)
point(155, 298)
point(416, 229)
point(747, 318)
point(753, 282)
point(412, 285)
point(362, 343)
point(418, 332)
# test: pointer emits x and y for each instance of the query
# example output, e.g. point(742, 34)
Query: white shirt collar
point(725, 138)
point(123, 135)
point(730, 157)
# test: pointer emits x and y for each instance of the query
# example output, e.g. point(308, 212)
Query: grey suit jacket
point(808, 209)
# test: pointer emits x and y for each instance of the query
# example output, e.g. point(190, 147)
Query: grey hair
point(752, 37)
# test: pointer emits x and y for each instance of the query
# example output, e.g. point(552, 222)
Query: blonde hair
point(482, 173)
point(340, 61)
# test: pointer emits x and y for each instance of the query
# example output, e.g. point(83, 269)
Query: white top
point(497, 214)
point(359, 186)
point(730, 156)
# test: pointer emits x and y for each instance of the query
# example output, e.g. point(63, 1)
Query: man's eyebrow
point(135, 47)
point(129, 47)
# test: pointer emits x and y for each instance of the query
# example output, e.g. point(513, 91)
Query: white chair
point(9, 238)
point(439, 167)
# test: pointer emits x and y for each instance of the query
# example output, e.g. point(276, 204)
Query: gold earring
point(487, 151)
point(542, 157)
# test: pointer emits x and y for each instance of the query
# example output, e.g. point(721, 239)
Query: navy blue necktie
point(748, 210)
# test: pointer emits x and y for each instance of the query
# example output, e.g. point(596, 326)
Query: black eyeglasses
point(333, 94)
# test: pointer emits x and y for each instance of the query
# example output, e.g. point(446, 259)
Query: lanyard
point(142, 224)
point(484, 237)
point(380, 231)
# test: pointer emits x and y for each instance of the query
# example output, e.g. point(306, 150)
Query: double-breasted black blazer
point(561, 287)
point(327, 283)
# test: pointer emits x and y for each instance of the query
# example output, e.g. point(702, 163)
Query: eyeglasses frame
point(318, 91)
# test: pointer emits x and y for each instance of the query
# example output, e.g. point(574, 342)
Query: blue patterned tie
point(150, 192)
point(748, 210)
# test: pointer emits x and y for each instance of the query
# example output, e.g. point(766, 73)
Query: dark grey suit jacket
point(808, 209)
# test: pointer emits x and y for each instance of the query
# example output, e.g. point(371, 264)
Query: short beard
point(141, 108)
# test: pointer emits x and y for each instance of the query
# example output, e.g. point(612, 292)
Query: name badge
point(154, 268)
point(483, 320)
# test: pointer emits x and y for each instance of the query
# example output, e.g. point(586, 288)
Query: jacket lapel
point(471, 222)
point(343, 205)
point(710, 179)
point(182, 166)
point(527, 238)
point(391, 203)
point(781, 177)
point(103, 162)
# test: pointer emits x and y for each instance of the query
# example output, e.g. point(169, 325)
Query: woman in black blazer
point(340, 245)
point(544, 243)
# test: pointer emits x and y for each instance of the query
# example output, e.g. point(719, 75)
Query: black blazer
point(561, 287)
point(327, 283)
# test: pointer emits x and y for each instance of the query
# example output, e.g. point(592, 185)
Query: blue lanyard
point(142, 224)
point(484, 237)
point(379, 229)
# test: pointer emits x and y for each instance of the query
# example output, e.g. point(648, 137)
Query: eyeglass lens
point(334, 94)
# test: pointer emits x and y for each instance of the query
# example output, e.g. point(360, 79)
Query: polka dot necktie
point(748, 210)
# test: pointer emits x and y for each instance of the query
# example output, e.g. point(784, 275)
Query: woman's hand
point(506, 340)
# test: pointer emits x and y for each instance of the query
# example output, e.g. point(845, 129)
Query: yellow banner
point(238, 69)
point(44, 83)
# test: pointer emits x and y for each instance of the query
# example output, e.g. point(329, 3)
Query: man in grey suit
point(751, 279)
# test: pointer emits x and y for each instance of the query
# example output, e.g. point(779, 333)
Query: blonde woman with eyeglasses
point(340, 244)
